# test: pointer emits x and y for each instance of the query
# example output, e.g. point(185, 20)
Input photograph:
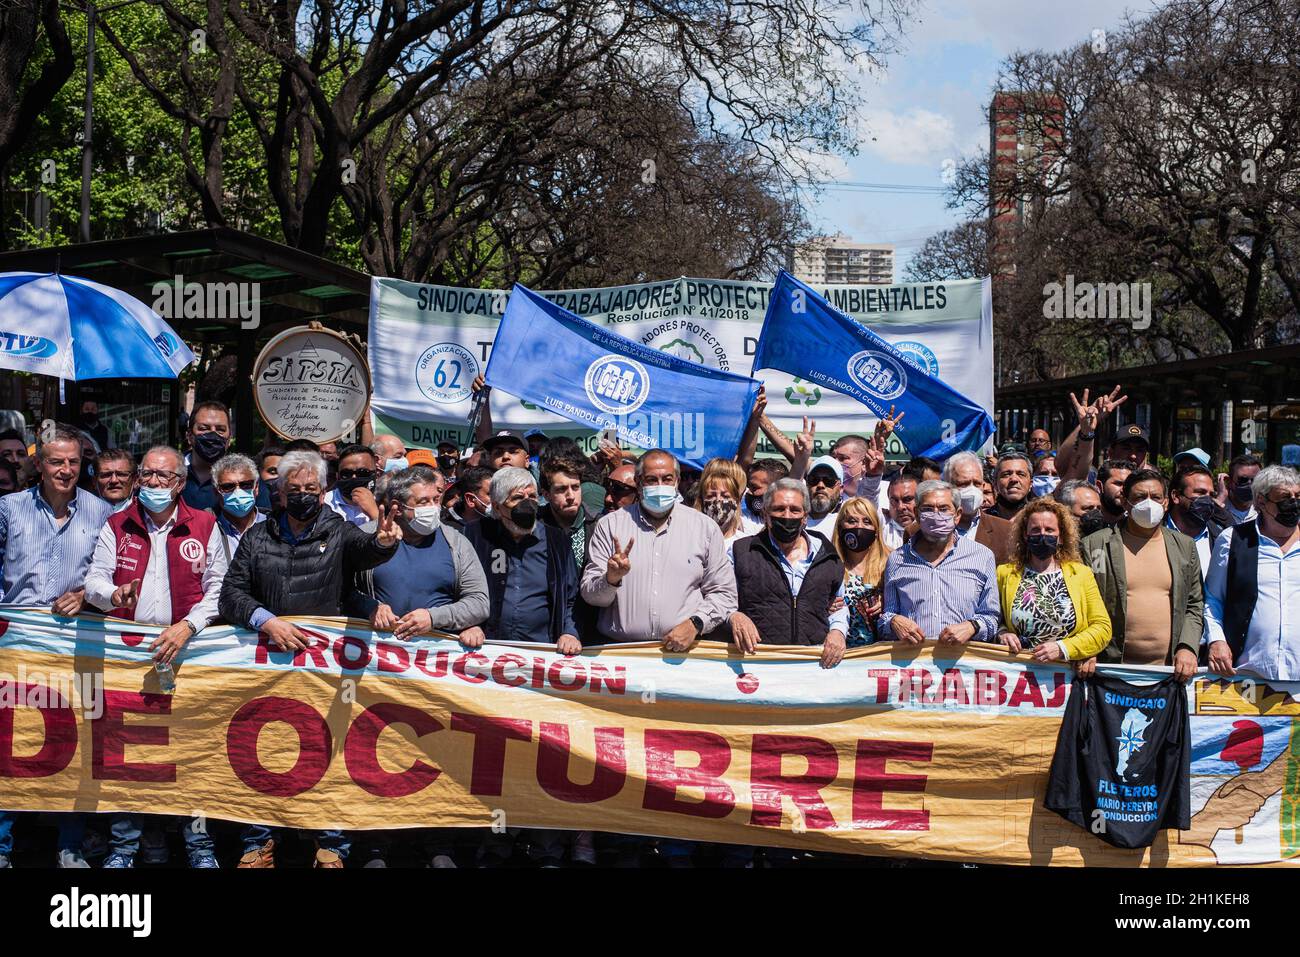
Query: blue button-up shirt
point(1272, 647)
point(962, 587)
point(795, 572)
point(526, 590)
point(40, 559)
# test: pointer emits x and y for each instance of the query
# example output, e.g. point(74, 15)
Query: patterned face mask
point(721, 510)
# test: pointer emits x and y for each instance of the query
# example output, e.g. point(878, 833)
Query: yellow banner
point(915, 752)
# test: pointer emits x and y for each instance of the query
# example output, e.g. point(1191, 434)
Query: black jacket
point(584, 615)
point(763, 591)
point(488, 534)
point(306, 578)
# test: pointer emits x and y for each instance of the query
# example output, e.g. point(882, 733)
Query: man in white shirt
point(1252, 594)
point(825, 481)
point(161, 563)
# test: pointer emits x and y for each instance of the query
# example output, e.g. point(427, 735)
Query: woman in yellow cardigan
point(1050, 600)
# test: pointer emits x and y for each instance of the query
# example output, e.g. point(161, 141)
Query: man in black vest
point(786, 578)
point(1252, 593)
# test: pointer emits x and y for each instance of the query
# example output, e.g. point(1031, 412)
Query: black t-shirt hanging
point(1122, 767)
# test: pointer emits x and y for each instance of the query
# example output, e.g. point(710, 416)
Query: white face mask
point(1148, 513)
point(971, 497)
point(426, 519)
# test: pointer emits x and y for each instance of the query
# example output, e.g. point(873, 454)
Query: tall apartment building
point(833, 260)
point(1025, 132)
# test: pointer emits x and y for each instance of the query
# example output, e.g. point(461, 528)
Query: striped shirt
point(962, 587)
point(39, 559)
point(677, 570)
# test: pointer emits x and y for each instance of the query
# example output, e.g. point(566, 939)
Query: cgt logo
point(878, 373)
point(617, 385)
point(31, 347)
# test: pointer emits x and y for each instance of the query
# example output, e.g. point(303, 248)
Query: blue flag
point(806, 336)
point(564, 364)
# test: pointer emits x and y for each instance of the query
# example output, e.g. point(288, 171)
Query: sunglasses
point(356, 473)
point(826, 480)
point(618, 488)
point(225, 488)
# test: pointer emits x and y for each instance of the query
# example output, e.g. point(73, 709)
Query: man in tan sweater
point(1150, 579)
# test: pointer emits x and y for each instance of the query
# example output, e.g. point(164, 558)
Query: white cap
point(826, 461)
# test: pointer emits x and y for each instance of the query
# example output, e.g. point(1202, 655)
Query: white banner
point(427, 343)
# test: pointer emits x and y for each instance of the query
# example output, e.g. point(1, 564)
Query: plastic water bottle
point(166, 677)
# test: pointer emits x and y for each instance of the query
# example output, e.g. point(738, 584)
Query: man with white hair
point(940, 585)
point(964, 471)
point(160, 562)
point(238, 486)
point(296, 563)
point(532, 586)
point(1252, 593)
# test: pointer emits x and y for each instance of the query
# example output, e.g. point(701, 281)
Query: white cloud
point(917, 137)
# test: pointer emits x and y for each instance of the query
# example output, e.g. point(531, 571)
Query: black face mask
point(1042, 546)
point(304, 506)
point(210, 445)
point(755, 503)
point(1091, 521)
point(1288, 513)
point(349, 485)
point(857, 539)
point(1241, 493)
point(524, 514)
point(446, 463)
point(1200, 509)
point(786, 530)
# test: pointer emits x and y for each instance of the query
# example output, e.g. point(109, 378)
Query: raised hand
point(1087, 414)
point(1109, 403)
point(388, 533)
point(619, 563)
point(760, 403)
point(873, 463)
point(803, 443)
point(478, 383)
point(885, 427)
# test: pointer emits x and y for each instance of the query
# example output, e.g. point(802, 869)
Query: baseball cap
point(538, 432)
point(421, 457)
point(504, 437)
point(1132, 431)
point(827, 462)
point(1200, 455)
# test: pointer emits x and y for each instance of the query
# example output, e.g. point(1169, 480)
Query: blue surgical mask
point(238, 503)
point(1045, 484)
point(658, 499)
point(155, 499)
point(395, 465)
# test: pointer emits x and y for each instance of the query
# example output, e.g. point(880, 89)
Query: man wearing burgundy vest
point(159, 562)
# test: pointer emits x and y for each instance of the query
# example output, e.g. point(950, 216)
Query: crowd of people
point(527, 538)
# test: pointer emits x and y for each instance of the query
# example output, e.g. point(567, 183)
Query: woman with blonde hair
point(863, 552)
point(721, 485)
point(1050, 599)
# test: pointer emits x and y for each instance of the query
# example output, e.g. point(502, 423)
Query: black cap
point(1126, 433)
point(504, 437)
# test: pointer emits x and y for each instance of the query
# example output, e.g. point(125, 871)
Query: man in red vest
point(159, 562)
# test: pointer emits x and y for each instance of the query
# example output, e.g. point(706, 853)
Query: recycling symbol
point(800, 393)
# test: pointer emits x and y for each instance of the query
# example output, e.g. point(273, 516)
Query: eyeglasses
point(1284, 499)
point(356, 473)
point(618, 489)
point(115, 475)
point(225, 488)
point(169, 477)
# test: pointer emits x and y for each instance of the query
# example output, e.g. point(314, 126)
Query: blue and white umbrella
point(72, 328)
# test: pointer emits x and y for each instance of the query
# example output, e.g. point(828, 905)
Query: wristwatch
point(974, 624)
point(698, 622)
point(1087, 436)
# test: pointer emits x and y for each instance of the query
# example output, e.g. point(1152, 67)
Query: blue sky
point(929, 105)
